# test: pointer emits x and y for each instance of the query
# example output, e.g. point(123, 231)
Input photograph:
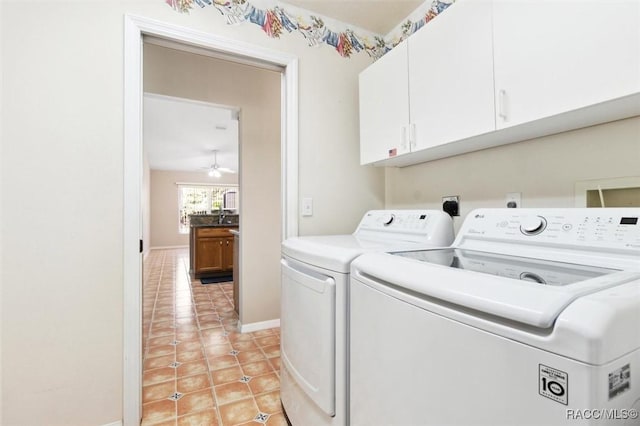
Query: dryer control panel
point(399, 220)
point(610, 228)
point(432, 226)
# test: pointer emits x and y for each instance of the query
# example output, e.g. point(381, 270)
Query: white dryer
point(315, 300)
point(532, 317)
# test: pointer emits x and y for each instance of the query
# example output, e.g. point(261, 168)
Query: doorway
point(136, 29)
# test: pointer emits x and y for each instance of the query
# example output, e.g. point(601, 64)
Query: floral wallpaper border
point(274, 20)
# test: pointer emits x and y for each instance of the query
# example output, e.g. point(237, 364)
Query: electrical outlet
point(451, 205)
point(514, 200)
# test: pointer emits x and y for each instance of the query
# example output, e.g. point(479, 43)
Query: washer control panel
point(598, 227)
point(397, 220)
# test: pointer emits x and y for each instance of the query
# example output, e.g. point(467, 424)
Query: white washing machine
point(532, 317)
point(315, 297)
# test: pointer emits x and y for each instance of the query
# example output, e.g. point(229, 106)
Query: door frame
point(135, 28)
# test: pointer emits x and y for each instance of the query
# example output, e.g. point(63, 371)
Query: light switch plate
point(307, 207)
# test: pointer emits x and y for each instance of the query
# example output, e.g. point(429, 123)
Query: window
point(203, 199)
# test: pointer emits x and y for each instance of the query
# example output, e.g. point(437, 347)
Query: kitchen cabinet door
point(451, 76)
point(209, 255)
point(236, 274)
point(559, 55)
point(384, 107)
point(227, 254)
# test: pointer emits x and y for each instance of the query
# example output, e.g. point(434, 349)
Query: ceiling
point(378, 16)
point(181, 134)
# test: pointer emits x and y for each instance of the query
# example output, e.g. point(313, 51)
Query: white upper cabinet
point(384, 107)
point(451, 76)
point(556, 56)
point(490, 72)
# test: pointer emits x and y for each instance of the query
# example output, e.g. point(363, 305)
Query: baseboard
point(168, 247)
point(256, 326)
point(118, 423)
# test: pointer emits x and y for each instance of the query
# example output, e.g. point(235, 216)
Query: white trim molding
point(132, 227)
point(256, 326)
point(135, 29)
point(118, 423)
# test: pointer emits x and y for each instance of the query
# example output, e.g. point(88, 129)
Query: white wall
point(164, 204)
point(62, 180)
point(544, 170)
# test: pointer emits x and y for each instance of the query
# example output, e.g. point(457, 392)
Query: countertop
point(216, 225)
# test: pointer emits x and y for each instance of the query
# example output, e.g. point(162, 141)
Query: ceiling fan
point(215, 170)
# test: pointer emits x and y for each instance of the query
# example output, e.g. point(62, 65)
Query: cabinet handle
point(227, 242)
point(502, 104)
point(220, 242)
point(412, 135)
point(403, 144)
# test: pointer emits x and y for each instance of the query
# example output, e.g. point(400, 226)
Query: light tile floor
point(198, 369)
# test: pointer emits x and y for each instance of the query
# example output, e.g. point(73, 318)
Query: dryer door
point(307, 327)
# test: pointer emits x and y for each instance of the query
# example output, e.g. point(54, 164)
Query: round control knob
point(387, 219)
point(533, 225)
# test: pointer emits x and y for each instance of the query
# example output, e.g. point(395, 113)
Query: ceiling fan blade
point(225, 170)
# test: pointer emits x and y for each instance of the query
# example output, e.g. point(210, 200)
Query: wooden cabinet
point(227, 254)
point(236, 273)
point(212, 251)
point(558, 56)
point(490, 72)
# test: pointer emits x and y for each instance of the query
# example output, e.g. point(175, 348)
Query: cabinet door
point(451, 76)
point(227, 254)
point(236, 274)
point(209, 255)
point(556, 56)
point(384, 107)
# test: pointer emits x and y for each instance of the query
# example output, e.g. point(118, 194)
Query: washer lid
point(332, 252)
point(525, 290)
point(542, 272)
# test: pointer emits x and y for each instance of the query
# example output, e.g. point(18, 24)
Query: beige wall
point(544, 170)
point(164, 204)
point(62, 189)
point(62, 222)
